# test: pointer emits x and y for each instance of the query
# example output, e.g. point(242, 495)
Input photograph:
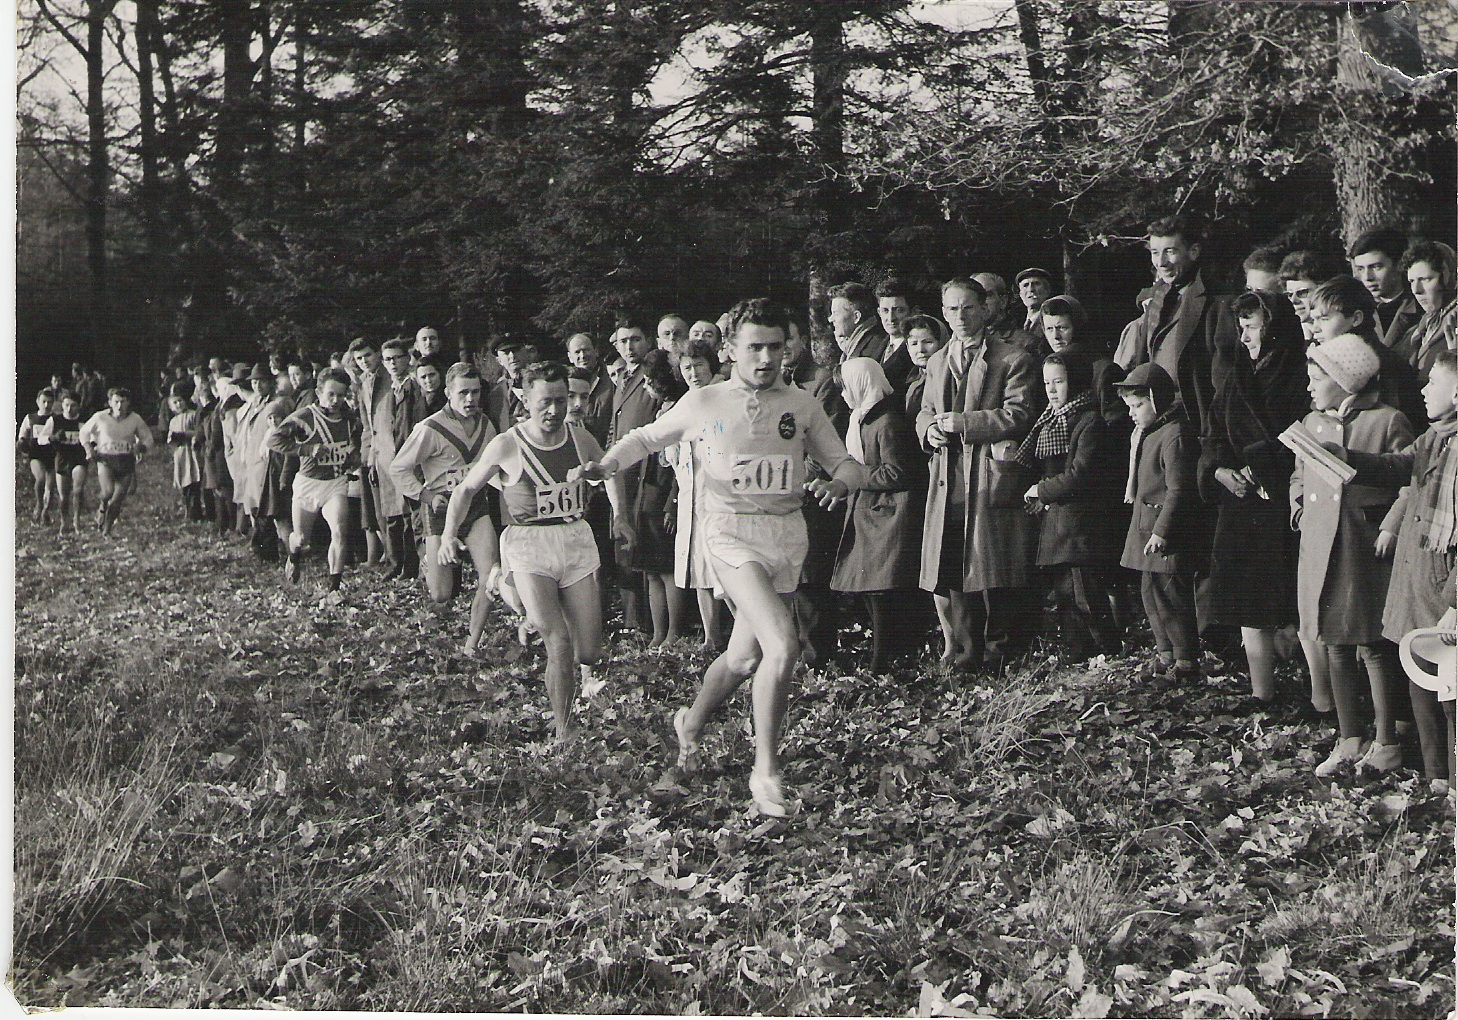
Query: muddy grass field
point(230, 792)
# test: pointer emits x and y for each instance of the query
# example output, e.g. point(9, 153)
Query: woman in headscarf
point(1246, 471)
point(880, 545)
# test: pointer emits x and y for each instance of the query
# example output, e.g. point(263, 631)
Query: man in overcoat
point(979, 546)
point(1187, 329)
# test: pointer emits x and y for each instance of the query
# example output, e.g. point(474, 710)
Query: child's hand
point(1386, 542)
point(1155, 546)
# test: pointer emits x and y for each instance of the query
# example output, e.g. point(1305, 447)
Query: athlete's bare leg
point(481, 544)
point(763, 644)
point(545, 608)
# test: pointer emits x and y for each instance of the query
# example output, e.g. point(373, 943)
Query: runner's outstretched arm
point(496, 452)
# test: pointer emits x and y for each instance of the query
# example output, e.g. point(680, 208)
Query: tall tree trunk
point(148, 30)
point(827, 57)
point(301, 87)
point(1369, 193)
point(98, 174)
point(236, 35)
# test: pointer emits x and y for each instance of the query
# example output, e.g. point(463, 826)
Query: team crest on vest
point(787, 426)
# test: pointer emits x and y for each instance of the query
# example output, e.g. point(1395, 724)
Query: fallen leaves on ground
point(234, 792)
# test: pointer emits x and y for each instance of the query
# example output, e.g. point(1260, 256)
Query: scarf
point(1431, 329)
point(1443, 521)
point(863, 386)
point(1050, 433)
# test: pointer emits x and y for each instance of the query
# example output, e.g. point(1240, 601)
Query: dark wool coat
point(880, 545)
point(1341, 585)
point(868, 341)
point(214, 463)
point(1403, 319)
point(1000, 539)
point(1083, 490)
point(1202, 325)
point(1164, 502)
point(1421, 589)
point(1252, 576)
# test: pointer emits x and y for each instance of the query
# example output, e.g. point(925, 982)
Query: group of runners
point(57, 445)
point(748, 438)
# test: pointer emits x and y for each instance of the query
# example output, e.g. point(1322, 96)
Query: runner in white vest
point(752, 435)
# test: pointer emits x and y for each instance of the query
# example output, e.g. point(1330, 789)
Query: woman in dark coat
point(1245, 470)
point(880, 546)
point(1081, 477)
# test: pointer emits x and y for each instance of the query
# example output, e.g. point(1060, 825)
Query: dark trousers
point(1169, 602)
point(1082, 599)
point(898, 625)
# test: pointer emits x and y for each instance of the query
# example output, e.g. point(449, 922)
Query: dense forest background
point(204, 177)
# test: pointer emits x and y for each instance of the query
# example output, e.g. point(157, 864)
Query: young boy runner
point(430, 464)
point(325, 437)
point(115, 439)
point(546, 547)
point(753, 435)
point(70, 460)
point(34, 445)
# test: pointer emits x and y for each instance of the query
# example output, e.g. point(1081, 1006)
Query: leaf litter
point(344, 812)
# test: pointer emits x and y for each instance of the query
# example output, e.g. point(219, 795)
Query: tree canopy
point(298, 173)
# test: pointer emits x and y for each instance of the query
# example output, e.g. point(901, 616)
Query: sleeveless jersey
point(469, 451)
point(67, 437)
point(337, 438)
point(37, 434)
point(541, 494)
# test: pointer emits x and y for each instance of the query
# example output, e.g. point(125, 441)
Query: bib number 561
point(767, 475)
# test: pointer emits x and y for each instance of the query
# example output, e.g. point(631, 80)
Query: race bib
point(450, 478)
point(561, 500)
point(768, 475)
point(332, 455)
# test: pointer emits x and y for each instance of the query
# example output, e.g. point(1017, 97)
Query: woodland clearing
point(232, 792)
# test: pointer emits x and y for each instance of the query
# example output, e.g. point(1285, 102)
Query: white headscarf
point(863, 385)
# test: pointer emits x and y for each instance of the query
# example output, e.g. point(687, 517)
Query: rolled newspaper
point(1299, 440)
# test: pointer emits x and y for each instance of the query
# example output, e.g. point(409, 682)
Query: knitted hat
point(1348, 359)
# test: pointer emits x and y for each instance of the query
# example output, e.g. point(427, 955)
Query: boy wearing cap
point(1341, 584)
point(1161, 544)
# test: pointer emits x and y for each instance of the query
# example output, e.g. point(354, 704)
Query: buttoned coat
point(1082, 490)
point(1421, 589)
point(633, 406)
point(1202, 326)
point(391, 422)
point(1165, 501)
point(1341, 585)
point(1000, 539)
point(881, 538)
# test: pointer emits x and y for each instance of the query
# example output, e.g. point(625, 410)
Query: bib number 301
point(561, 500)
point(761, 476)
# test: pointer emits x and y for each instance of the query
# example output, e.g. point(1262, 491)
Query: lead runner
point(754, 433)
